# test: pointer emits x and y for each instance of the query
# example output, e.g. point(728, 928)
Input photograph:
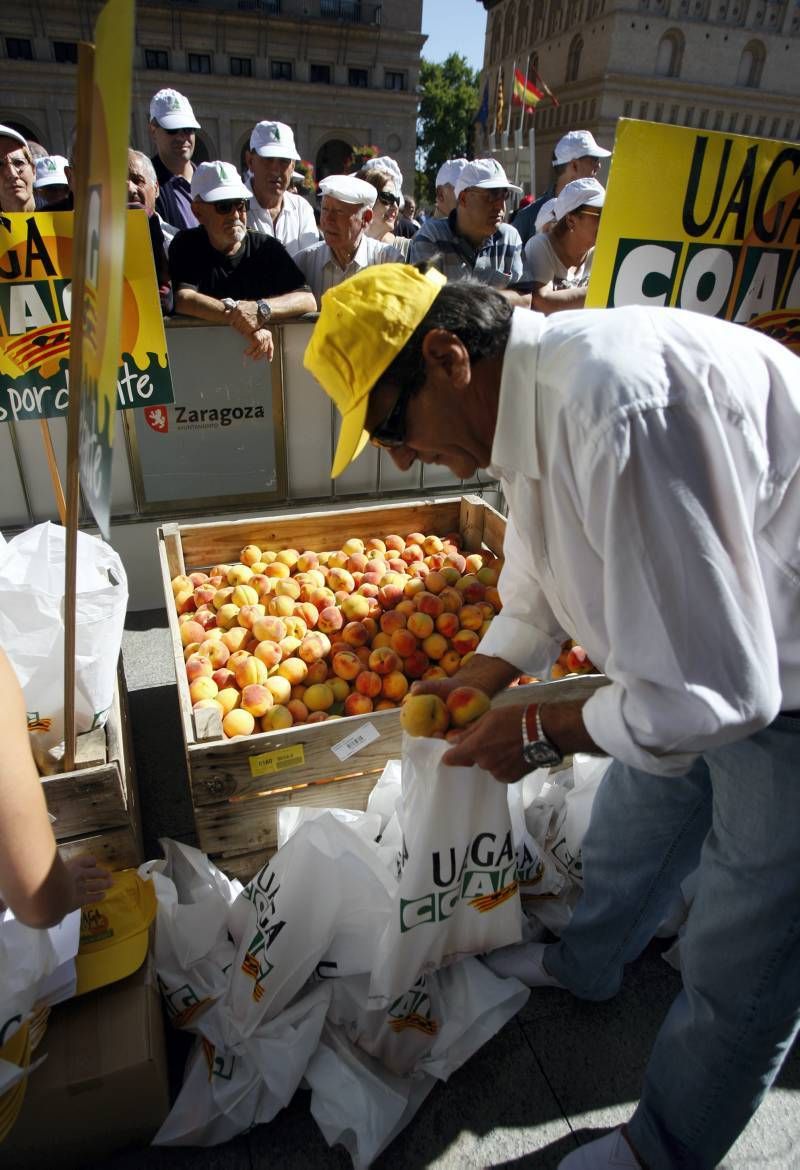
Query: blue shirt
point(174, 201)
point(497, 262)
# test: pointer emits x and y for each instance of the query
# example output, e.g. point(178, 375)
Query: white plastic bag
point(587, 773)
point(458, 893)
point(32, 630)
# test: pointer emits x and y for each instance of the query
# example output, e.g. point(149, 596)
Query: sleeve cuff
point(520, 644)
point(604, 720)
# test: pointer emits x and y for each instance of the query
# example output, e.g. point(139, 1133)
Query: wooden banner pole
point(55, 478)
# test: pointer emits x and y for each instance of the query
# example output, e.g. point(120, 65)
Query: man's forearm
point(563, 724)
point(195, 304)
point(488, 674)
point(549, 300)
point(292, 304)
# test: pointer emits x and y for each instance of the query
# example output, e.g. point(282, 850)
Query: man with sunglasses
point(172, 129)
point(649, 461)
point(224, 273)
point(473, 242)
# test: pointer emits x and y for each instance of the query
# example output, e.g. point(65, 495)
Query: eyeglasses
point(226, 206)
point(392, 431)
point(184, 130)
point(389, 199)
point(588, 211)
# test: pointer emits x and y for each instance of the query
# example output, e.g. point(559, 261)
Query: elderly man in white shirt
point(345, 249)
point(276, 210)
point(651, 465)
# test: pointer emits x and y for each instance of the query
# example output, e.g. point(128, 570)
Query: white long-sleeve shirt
point(651, 463)
point(294, 227)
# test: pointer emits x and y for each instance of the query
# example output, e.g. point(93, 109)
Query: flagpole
point(507, 132)
point(518, 138)
point(532, 153)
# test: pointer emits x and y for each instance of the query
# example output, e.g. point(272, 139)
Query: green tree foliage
point(448, 104)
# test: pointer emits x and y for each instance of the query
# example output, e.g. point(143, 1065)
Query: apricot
point(466, 704)
point(424, 715)
point(238, 722)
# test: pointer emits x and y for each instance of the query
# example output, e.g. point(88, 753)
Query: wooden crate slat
point(115, 848)
point(171, 539)
point(85, 801)
point(494, 530)
point(184, 699)
point(247, 826)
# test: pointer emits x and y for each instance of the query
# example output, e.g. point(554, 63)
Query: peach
point(250, 554)
point(278, 718)
point(188, 651)
point(435, 646)
point(198, 666)
point(287, 556)
point(450, 662)
point(298, 692)
point(394, 543)
point(192, 632)
point(239, 575)
point(289, 647)
point(249, 613)
point(219, 571)
point(403, 642)
point(362, 653)
point(224, 677)
point(391, 621)
point(355, 634)
point(435, 672)
point(413, 586)
point(222, 596)
point(295, 627)
point(319, 697)
point(294, 669)
point(308, 612)
point(470, 617)
point(429, 603)
point(435, 561)
point(185, 601)
point(261, 583)
point(484, 630)
point(492, 596)
point(394, 686)
point(279, 687)
point(389, 594)
point(205, 703)
point(238, 722)
point(375, 544)
point(269, 653)
point(381, 639)
point(298, 710)
point(419, 570)
point(421, 625)
point(450, 575)
point(466, 704)
point(424, 715)
point(235, 638)
point(357, 704)
point(353, 544)
point(337, 559)
point(368, 588)
point(396, 565)
point(311, 649)
point(287, 587)
point(415, 664)
point(237, 657)
point(385, 705)
point(317, 673)
point(346, 665)
point(465, 641)
point(447, 624)
point(341, 579)
point(371, 626)
point(277, 569)
point(256, 699)
point(432, 544)
point(251, 671)
point(384, 660)
point(413, 550)
point(435, 582)
point(280, 606)
point(355, 607)
point(406, 607)
point(203, 687)
point(244, 595)
point(451, 599)
point(474, 562)
point(307, 560)
point(204, 594)
point(322, 598)
point(227, 616)
point(317, 717)
point(456, 560)
point(340, 688)
point(487, 575)
point(180, 584)
point(207, 618)
point(368, 683)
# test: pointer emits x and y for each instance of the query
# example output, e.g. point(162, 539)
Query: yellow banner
point(703, 221)
point(35, 304)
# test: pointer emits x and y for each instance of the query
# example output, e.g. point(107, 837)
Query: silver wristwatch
point(229, 304)
point(263, 311)
point(539, 752)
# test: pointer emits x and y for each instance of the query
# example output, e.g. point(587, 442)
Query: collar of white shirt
point(361, 257)
point(515, 440)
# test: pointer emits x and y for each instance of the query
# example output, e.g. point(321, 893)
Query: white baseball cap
point(385, 163)
point(349, 189)
point(273, 140)
point(485, 173)
point(545, 215)
point(449, 171)
point(577, 144)
point(172, 111)
point(7, 132)
point(50, 171)
point(213, 181)
point(579, 193)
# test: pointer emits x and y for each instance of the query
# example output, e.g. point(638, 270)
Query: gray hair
point(146, 165)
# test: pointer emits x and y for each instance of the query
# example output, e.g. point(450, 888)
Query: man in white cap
point(221, 272)
point(50, 184)
point(275, 210)
point(473, 242)
point(172, 128)
point(16, 172)
point(347, 204)
point(446, 178)
point(576, 156)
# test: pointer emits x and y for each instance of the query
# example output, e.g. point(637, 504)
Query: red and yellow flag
point(525, 92)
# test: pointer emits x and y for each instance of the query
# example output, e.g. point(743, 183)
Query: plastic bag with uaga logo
point(32, 629)
point(458, 892)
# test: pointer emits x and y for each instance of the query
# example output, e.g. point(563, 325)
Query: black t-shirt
point(261, 268)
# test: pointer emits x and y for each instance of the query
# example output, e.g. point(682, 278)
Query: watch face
point(264, 310)
point(540, 754)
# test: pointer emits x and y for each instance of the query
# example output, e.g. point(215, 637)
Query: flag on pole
point(525, 92)
point(511, 103)
point(544, 88)
point(500, 105)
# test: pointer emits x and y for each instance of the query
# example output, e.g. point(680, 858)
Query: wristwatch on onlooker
point(537, 749)
point(263, 312)
point(229, 304)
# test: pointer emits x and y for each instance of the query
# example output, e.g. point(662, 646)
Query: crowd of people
point(253, 250)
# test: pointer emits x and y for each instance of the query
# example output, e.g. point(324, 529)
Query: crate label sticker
point(348, 747)
point(285, 757)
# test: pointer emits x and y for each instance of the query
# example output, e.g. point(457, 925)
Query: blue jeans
point(737, 812)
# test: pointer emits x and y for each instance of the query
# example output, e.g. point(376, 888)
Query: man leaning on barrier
point(223, 273)
point(650, 463)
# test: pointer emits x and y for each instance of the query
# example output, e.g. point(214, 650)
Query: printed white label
point(348, 747)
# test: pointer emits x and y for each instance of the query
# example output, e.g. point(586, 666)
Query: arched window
point(751, 65)
point(574, 58)
point(670, 54)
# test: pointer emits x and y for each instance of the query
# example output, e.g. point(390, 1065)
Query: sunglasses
point(389, 199)
point(226, 206)
point(184, 130)
point(586, 211)
point(392, 431)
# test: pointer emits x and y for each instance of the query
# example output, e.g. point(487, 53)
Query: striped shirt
point(321, 268)
point(497, 262)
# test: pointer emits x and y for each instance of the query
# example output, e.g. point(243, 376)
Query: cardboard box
point(103, 1085)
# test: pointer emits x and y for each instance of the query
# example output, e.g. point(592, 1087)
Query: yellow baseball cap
point(363, 324)
point(114, 932)
point(17, 1051)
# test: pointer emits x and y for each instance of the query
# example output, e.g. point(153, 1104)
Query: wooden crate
point(237, 786)
point(95, 807)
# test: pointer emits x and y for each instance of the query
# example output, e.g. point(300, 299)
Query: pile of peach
point(573, 659)
point(429, 715)
point(299, 636)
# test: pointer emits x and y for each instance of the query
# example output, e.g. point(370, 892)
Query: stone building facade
point(731, 65)
point(340, 72)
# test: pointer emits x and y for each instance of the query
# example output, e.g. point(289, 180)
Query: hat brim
point(7, 132)
point(107, 965)
point(217, 194)
point(491, 185)
point(353, 438)
point(177, 122)
point(50, 181)
point(275, 150)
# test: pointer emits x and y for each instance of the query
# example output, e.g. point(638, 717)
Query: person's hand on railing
point(244, 318)
point(261, 345)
